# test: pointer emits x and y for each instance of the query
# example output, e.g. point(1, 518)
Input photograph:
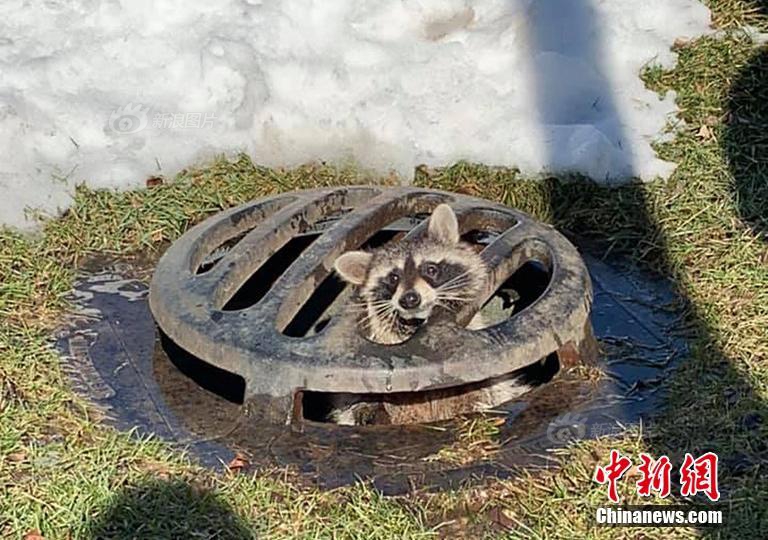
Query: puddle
point(114, 356)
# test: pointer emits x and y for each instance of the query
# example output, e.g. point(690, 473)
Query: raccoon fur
point(398, 288)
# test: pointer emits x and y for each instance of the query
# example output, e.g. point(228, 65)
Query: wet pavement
point(115, 357)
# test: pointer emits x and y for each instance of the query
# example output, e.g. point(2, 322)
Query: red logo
point(696, 475)
point(654, 476)
point(699, 475)
point(612, 473)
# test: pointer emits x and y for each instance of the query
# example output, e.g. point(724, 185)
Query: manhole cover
point(252, 291)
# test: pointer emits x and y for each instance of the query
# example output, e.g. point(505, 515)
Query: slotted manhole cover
point(252, 291)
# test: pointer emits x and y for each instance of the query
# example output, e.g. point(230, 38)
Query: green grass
point(65, 474)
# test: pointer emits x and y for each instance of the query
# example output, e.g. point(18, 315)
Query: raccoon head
point(400, 285)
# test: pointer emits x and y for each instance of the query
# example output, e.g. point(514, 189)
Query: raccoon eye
point(393, 278)
point(430, 270)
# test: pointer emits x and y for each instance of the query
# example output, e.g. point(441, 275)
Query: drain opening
point(217, 254)
point(233, 230)
point(262, 280)
point(256, 286)
point(525, 286)
point(415, 407)
point(221, 382)
point(314, 314)
point(517, 292)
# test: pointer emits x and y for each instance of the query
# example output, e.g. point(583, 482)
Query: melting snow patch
point(107, 92)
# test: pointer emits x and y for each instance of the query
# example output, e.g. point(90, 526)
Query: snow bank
point(109, 91)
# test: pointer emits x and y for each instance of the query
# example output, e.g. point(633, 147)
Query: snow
point(108, 92)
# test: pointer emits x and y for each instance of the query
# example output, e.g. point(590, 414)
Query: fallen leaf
point(503, 517)
point(34, 534)
point(159, 470)
point(238, 463)
point(16, 457)
point(705, 132)
point(154, 181)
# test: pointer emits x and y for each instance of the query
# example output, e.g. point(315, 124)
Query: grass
point(66, 475)
point(477, 438)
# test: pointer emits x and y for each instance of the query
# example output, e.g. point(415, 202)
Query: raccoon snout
point(410, 300)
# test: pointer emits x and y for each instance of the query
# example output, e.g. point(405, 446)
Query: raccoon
point(398, 288)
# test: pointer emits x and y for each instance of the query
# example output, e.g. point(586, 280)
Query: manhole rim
point(285, 364)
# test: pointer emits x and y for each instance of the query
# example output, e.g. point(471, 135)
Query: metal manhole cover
point(252, 291)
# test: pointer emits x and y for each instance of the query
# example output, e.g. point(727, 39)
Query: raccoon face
point(399, 286)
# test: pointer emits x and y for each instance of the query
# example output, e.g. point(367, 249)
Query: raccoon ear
point(353, 266)
point(443, 225)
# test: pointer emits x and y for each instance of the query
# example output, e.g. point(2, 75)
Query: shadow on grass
point(712, 405)
point(746, 140)
point(165, 510)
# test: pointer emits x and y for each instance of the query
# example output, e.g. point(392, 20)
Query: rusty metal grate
point(252, 291)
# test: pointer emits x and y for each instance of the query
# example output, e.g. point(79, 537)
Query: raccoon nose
point(410, 300)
